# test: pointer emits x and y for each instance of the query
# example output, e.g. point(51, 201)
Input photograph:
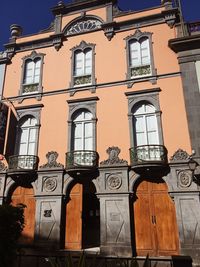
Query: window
point(28, 134)
point(82, 131)
point(82, 134)
point(83, 65)
point(139, 52)
point(32, 71)
point(32, 74)
point(145, 125)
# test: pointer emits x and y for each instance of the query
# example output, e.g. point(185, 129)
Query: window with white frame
point(145, 125)
point(139, 53)
point(27, 136)
point(139, 57)
point(83, 131)
point(83, 64)
point(32, 73)
point(83, 67)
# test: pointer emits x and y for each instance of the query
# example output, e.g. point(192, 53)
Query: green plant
point(11, 226)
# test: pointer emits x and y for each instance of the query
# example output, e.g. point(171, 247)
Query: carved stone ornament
point(85, 25)
point(52, 161)
point(114, 182)
point(184, 179)
point(113, 158)
point(180, 155)
point(2, 166)
point(50, 184)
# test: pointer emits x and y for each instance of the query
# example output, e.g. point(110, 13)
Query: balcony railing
point(78, 159)
point(148, 154)
point(188, 29)
point(23, 162)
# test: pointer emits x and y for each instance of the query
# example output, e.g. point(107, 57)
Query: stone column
point(115, 230)
point(186, 192)
point(49, 203)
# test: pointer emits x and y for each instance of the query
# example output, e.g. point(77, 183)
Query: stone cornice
point(185, 43)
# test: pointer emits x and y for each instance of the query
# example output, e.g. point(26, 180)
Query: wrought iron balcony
point(148, 155)
point(23, 163)
point(81, 160)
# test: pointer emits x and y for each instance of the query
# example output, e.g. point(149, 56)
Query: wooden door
point(26, 196)
point(73, 228)
point(156, 231)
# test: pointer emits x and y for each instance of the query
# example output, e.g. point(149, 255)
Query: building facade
point(96, 140)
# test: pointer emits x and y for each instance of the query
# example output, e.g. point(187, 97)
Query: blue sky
point(35, 15)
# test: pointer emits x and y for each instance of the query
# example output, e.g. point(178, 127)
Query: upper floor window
point(32, 73)
point(140, 61)
point(83, 65)
point(145, 125)
point(82, 138)
point(139, 57)
point(27, 136)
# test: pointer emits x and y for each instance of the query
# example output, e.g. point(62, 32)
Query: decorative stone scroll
point(180, 155)
point(184, 179)
point(113, 159)
point(52, 161)
point(2, 166)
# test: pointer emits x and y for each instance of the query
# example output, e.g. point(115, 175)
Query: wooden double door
point(155, 224)
point(82, 220)
point(25, 195)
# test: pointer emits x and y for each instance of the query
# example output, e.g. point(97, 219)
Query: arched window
point(139, 52)
point(32, 71)
point(82, 131)
point(145, 124)
point(139, 57)
point(83, 64)
point(27, 136)
point(32, 67)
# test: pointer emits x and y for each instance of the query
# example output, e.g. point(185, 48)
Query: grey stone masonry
point(114, 206)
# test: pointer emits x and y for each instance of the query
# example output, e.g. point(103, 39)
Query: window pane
point(31, 149)
point(78, 63)
point(88, 143)
point(78, 130)
point(32, 135)
point(23, 149)
point(135, 53)
point(88, 129)
point(78, 144)
point(145, 56)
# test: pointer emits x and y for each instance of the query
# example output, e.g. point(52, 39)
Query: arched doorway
point(82, 228)
point(155, 224)
point(25, 195)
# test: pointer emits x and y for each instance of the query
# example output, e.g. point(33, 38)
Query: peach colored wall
point(101, 12)
point(138, 14)
point(112, 107)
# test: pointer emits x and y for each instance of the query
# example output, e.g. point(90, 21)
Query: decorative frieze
point(52, 161)
point(180, 155)
point(113, 159)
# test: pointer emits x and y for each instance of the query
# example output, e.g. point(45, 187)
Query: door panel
point(156, 230)
point(73, 228)
point(144, 236)
point(26, 197)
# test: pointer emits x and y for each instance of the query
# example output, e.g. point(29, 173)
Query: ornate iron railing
point(146, 154)
point(23, 162)
point(30, 88)
point(81, 159)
